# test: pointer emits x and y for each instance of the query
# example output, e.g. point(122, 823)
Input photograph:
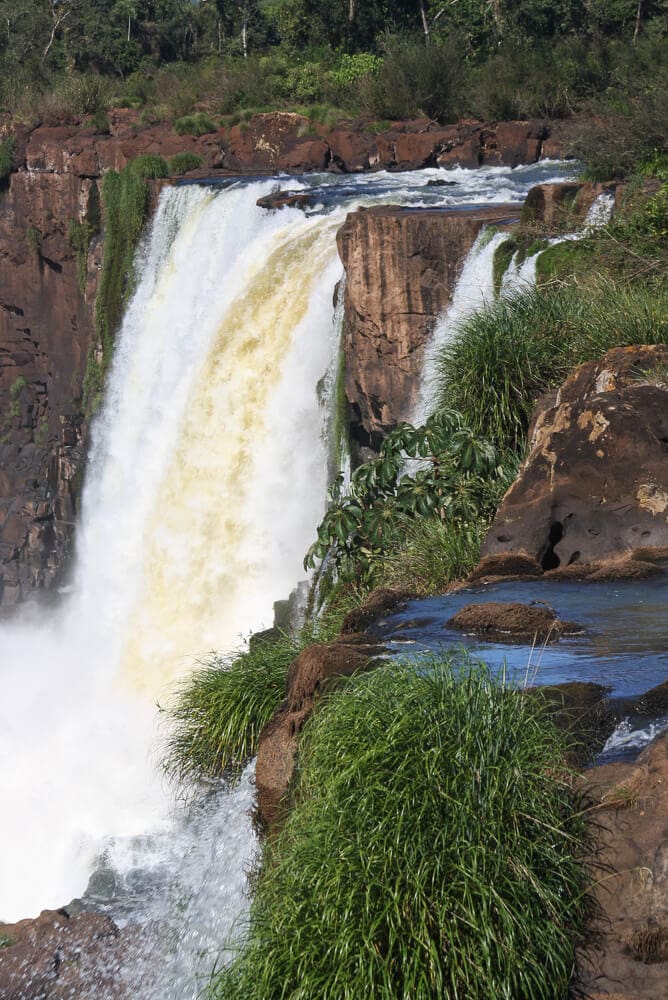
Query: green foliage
point(216, 717)
point(435, 849)
point(453, 480)
point(17, 387)
point(197, 123)
point(34, 241)
point(7, 154)
point(504, 357)
point(414, 80)
point(125, 201)
point(431, 554)
point(518, 246)
point(182, 163)
point(80, 234)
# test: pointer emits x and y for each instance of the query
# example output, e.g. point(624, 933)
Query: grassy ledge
point(435, 850)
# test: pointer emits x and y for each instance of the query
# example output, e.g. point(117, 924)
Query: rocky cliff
point(46, 320)
point(401, 270)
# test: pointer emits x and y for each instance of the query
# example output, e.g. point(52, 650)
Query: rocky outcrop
point(591, 499)
point(46, 322)
point(309, 675)
point(627, 951)
point(401, 269)
point(61, 957)
point(512, 622)
point(565, 206)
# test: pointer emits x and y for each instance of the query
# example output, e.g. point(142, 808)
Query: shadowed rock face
point(46, 324)
point(594, 486)
point(401, 270)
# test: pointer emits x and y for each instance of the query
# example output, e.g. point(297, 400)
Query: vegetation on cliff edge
point(435, 849)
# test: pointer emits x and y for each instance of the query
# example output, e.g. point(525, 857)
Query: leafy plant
point(182, 163)
point(452, 469)
point(434, 850)
point(197, 123)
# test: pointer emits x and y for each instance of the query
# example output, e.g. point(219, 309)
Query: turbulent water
point(206, 480)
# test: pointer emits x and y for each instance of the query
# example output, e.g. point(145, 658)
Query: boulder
point(591, 498)
point(58, 956)
point(285, 199)
point(380, 602)
point(626, 951)
point(564, 206)
point(512, 622)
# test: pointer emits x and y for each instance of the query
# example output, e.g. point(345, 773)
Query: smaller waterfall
point(474, 289)
point(600, 211)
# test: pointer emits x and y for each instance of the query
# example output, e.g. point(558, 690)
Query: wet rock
point(283, 199)
point(310, 674)
point(627, 948)
point(560, 206)
point(57, 956)
point(380, 602)
point(439, 182)
point(512, 622)
point(593, 491)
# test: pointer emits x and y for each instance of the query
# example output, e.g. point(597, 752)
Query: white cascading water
point(207, 478)
point(206, 482)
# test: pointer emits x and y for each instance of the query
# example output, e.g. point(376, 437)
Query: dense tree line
point(119, 36)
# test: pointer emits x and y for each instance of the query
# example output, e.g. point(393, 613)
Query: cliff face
point(46, 323)
point(401, 270)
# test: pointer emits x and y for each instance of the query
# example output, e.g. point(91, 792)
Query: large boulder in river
point(592, 495)
point(511, 621)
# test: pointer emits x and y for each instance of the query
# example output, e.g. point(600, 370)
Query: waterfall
point(474, 289)
point(206, 481)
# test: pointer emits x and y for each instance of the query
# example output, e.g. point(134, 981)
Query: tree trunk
point(351, 11)
point(425, 22)
point(637, 27)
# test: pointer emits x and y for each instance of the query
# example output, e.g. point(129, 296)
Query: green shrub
point(7, 154)
point(34, 241)
point(183, 162)
point(198, 123)
point(434, 851)
point(147, 167)
point(125, 200)
point(451, 477)
point(414, 80)
point(504, 357)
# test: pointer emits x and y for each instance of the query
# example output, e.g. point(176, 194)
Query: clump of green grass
point(432, 554)
point(216, 716)
point(198, 123)
point(181, 163)
point(434, 851)
point(505, 356)
point(125, 200)
point(80, 234)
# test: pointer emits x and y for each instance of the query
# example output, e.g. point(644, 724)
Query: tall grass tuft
point(215, 718)
point(504, 357)
point(435, 850)
point(432, 554)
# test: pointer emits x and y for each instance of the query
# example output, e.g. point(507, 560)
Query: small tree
point(441, 469)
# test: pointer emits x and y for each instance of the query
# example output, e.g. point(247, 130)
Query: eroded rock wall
point(401, 269)
point(46, 324)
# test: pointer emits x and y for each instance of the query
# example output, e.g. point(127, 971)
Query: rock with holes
point(591, 498)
